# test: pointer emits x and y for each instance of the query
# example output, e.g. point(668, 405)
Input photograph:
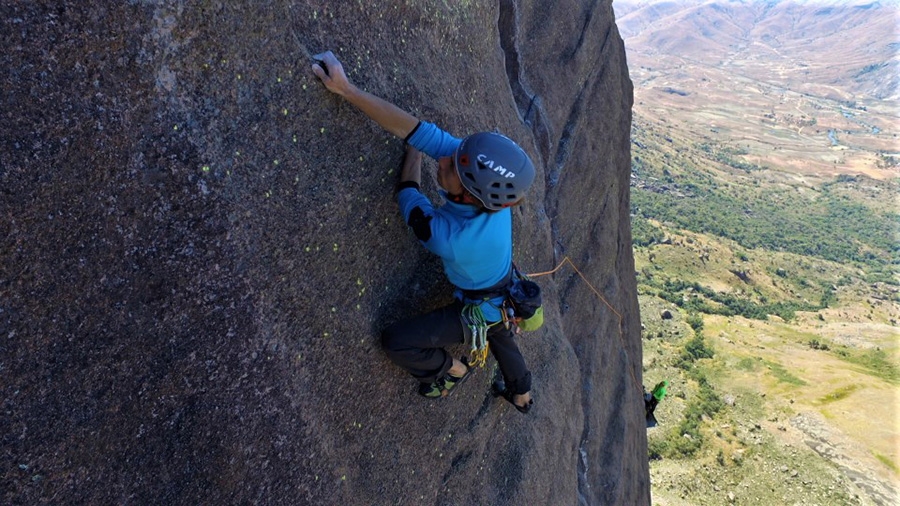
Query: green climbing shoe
point(442, 387)
point(431, 390)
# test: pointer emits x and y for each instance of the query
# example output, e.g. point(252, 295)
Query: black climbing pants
point(417, 345)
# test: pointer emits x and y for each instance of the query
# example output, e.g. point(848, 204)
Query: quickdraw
point(473, 318)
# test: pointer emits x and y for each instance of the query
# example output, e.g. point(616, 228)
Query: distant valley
point(766, 175)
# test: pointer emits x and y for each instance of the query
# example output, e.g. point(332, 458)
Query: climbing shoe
point(442, 387)
point(498, 389)
point(508, 395)
point(431, 390)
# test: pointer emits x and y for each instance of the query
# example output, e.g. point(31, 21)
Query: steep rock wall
point(200, 246)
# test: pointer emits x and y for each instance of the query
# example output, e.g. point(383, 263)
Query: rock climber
point(481, 177)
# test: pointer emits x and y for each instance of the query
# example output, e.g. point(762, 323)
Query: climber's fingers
point(330, 71)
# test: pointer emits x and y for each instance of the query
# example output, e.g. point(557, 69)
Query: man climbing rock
point(482, 176)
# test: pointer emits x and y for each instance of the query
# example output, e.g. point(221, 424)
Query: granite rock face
point(199, 246)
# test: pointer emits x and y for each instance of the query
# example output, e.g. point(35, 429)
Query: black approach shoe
point(498, 389)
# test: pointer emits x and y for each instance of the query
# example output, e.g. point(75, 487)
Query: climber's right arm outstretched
point(389, 116)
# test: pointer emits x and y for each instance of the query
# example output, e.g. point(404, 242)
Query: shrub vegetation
point(831, 226)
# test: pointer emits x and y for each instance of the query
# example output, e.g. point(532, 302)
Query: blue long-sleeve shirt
point(475, 246)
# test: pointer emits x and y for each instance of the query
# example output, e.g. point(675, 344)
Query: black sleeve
point(407, 184)
point(420, 224)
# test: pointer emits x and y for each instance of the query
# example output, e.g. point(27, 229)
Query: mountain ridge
point(816, 35)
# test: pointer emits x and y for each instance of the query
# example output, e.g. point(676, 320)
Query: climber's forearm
point(392, 118)
point(412, 166)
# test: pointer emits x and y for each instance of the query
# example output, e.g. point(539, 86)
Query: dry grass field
point(786, 131)
point(808, 395)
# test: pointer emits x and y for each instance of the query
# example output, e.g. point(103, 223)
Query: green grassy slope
point(772, 309)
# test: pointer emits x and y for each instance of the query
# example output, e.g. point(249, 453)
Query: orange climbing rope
point(588, 283)
point(603, 299)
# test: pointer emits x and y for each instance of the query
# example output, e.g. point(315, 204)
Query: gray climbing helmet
point(494, 169)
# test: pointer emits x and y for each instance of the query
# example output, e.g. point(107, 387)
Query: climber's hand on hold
point(389, 116)
point(330, 71)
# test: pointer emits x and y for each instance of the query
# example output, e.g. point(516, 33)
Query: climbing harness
point(473, 317)
point(521, 309)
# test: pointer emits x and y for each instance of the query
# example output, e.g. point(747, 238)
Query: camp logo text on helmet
point(501, 172)
point(483, 159)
